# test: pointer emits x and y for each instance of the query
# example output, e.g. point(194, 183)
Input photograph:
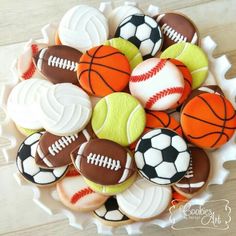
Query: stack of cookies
point(116, 115)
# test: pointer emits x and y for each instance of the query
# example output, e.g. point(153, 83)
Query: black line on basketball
point(208, 134)
point(150, 113)
point(100, 57)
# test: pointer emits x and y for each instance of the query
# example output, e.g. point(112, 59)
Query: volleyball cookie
point(197, 175)
point(103, 70)
point(128, 49)
point(99, 158)
point(58, 63)
point(144, 32)
point(197, 64)
point(177, 28)
point(75, 194)
point(208, 120)
point(144, 200)
point(157, 84)
point(64, 109)
point(25, 162)
point(128, 127)
point(110, 214)
point(162, 156)
point(83, 27)
point(22, 101)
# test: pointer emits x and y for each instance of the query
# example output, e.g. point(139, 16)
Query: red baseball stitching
point(72, 173)
point(149, 74)
point(80, 194)
point(162, 94)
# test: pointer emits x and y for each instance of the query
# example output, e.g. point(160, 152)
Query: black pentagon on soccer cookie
point(162, 156)
point(144, 32)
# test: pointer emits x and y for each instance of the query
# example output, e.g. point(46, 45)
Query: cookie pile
point(115, 113)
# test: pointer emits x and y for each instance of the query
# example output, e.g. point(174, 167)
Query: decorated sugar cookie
point(143, 31)
point(103, 70)
point(27, 132)
point(144, 200)
point(57, 39)
point(157, 83)
point(83, 27)
point(26, 165)
point(177, 198)
point(162, 156)
point(208, 120)
point(64, 109)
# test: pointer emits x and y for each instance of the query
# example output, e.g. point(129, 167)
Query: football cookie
point(75, 194)
point(99, 158)
point(58, 63)
point(99, 72)
point(128, 127)
point(177, 28)
point(144, 32)
point(83, 27)
point(54, 151)
point(22, 101)
point(64, 109)
point(197, 175)
point(110, 214)
point(144, 200)
point(208, 120)
point(25, 162)
point(158, 84)
point(162, 156)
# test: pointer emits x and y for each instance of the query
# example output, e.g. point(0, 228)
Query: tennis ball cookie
point(157, 83)
point(128, 49)
point(108, 123)
point(27, 132)
point(103, 70)
point(193, 57)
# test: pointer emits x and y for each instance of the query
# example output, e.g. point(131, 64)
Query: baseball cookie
point(162, 156)
point(83, 27)
point(99, 72)
point(99, 158)
point(143, 200)
point(144, 32)
point(208, 120)
point(25, 162)
point(58, 63)
point(128, 127)
point(177, 28)
point(197, 175)
point(110, 214)
point(64, 109)
point(157, 83)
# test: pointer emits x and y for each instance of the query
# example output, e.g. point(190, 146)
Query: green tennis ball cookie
point(128, 49)
point(119, 117)
point(27, 132)
point(193, 57)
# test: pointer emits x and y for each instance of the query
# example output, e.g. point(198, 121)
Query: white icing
point(40, 59)
point(127, 166)
point(190, 185)
point(190, 172)
point(79, 155)
point(62, 63)
point(194, 39)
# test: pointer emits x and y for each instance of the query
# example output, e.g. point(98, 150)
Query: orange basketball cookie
point(57, 39)
point(103, 70)
point(208, 120)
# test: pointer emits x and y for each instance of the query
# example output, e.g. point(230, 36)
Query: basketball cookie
point(25, 162)
point(144, 200)
point(197, 65)
point(162, 156)
point(128, 127)
point(128, 49)
point(144, 32)
point(157, 83)
point(83, 27)
point(208, 120)
point(197, 175)
point(177, 28)
point(75, 194)
point(110, 214)
point(103, 70)
point(58, 63)
point(99, 158)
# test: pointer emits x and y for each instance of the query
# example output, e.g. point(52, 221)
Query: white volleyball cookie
point(83, 27)
point(157, 84)
point(144, 200)
point(21, 104)
point(64, 109)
